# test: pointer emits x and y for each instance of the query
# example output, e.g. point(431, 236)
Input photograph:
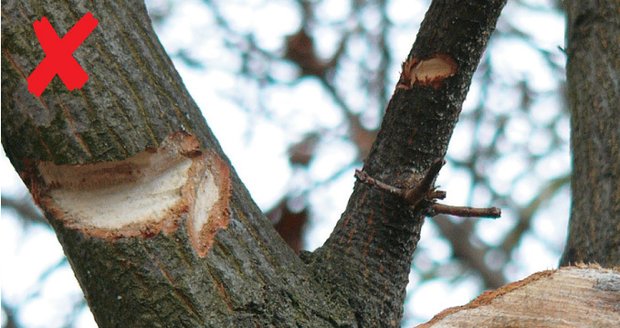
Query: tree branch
point(468, 212)
point(470, 253)
point(424, 190)
point(368, 255)
point(367, 179)
point(209, 257)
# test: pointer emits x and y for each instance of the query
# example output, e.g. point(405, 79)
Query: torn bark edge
point(430, 71)
point(46, 178)
point(425, 194)
point(488, 296)
point(218, 216)
point(591, 272)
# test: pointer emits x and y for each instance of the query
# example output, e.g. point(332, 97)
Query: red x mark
point(59, 54)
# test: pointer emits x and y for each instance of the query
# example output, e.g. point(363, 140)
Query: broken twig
point(466, 212)
point(425, 190)
point(421, 190)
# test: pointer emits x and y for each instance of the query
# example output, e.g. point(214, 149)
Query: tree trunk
point(158, 228)
point(586, 295)
point(593, 78)
point(582, 296)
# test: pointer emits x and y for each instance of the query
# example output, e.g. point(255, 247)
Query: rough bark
point(593, 78)
point(133, 100)
point(134, 108)
point(368, 255)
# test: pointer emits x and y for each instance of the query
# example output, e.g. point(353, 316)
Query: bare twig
point(367, 179)
point(464, 211)
point(437, 194)
point(425, 190)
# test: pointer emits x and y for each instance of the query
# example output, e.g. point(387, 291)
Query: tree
point(148, 113)
point(594, 100)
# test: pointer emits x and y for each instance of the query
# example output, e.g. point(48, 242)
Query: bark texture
point(134, 100)
point(593, 76)
point(368, 255)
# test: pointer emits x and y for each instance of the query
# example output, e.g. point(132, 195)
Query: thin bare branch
point(465, 211)
point(367, 179)
point(425, 190)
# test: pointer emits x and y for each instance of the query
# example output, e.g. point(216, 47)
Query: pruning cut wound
point(141, 196)
point(427, 72)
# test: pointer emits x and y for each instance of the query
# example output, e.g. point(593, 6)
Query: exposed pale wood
point(368, 255)
point(582, 296)
point(134, 99)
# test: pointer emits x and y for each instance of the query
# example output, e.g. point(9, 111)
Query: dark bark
point(368, 255)
point(593, 78)
point(134, 100)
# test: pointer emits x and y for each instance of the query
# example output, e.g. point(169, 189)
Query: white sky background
point(257, 147)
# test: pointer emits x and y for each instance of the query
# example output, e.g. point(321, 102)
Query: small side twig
point(367, 179)
point(466, 212)
point(425, 190)
point(414, 195)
